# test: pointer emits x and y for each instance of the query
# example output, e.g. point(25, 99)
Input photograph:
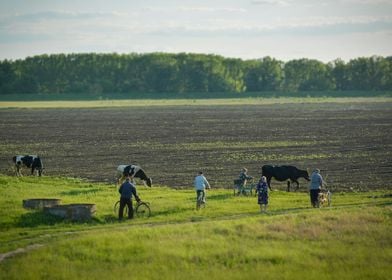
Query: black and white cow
point(133, 171)
point(30, 161)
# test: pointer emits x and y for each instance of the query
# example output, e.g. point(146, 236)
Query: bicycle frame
point(200, 199)
point(142, 209)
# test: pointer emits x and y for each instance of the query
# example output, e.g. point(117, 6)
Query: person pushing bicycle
point(200, 184)
point(126, 190)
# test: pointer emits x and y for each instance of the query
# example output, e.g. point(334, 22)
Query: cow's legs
point(269, 183)
point(288, 186)
point(18, 172)
point(120, 179)
point(295, 181)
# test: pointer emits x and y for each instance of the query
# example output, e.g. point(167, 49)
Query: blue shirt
point(127, 190)
point(316, 181)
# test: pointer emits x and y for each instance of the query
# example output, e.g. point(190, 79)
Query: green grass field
point(229, 239)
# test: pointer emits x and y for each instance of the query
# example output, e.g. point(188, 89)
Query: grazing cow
point(31, 161)
point(132, 171)
point(283, 173)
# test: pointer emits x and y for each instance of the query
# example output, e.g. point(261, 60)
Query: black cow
point(283, 173)
point(132, 171)
point(31, 161)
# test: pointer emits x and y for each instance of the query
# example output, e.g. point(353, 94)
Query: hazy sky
point(283, 29)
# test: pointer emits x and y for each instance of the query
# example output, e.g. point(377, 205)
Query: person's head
point(200, 173)
point(244, 170)
point(263, 179)
point(316, 170)
point(127, 179)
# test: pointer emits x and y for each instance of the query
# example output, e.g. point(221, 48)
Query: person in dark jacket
point(242, 180)
point(262, 190)
point(126, 190)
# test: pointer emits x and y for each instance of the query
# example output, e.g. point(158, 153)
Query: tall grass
point(229, 239)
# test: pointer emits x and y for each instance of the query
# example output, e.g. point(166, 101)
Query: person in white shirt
point(201, 184)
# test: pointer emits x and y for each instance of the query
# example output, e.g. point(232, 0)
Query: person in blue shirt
point(316, 183)
point(201, 184)
point(126, 190)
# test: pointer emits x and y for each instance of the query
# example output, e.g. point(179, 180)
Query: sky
point(249, 29)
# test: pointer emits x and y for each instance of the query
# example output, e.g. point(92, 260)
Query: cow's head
point(40, 170)
point(37, 165)
point(305, 175)
point(142, 176)
point(149, 182)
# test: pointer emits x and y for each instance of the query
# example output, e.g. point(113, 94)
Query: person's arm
point(120, 189)
point(206, 182)
point(133, 189)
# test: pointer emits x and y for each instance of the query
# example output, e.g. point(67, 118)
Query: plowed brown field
point(350, 143)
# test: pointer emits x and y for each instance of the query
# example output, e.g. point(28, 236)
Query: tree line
point(188, 73)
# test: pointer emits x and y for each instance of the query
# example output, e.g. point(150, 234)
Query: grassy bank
point(229, 239)
point(186, 102)
point(190, 95)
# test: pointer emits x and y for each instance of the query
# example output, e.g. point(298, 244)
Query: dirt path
point(19, 251)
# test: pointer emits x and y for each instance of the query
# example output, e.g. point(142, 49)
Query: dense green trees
point(188, 73)
point(264, 75)
point(307, 75)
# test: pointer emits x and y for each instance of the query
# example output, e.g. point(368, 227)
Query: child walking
point(262, 191)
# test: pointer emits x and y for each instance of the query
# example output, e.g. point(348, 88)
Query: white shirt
point(201, 182)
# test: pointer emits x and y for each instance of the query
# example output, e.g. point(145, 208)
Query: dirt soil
point(350, 143)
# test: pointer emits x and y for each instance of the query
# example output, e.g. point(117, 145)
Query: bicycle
point(324, 198)
point(200, 202)
point(142, 209)
point(240, 189)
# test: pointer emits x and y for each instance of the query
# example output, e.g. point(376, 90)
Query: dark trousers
point(314, 197)
point(203, 193)
point(125, 201)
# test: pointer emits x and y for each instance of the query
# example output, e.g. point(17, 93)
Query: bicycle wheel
point(117, 207)
point(198, 204)
point(143, 210)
